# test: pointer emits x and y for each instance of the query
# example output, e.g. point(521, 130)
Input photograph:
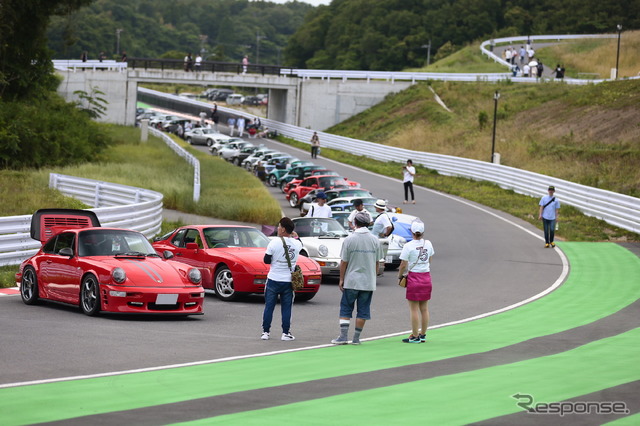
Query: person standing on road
point(320, 207)
point(231, 122)
point(198, 62)
point(358, 269)
point(408, 173)
point(315, 145)
point(279, 278)
point(416, 261)
point(240, 123)
point(549, 209)
point(358, 206)
point(382, 226)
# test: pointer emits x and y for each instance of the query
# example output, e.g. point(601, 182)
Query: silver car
point(232, 149)
point(201, 136)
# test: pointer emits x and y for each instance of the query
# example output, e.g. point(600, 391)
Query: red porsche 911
point(231, 259)
point(104, 269)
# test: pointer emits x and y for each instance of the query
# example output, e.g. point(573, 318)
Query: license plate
point(389, 259)
point(166, 299)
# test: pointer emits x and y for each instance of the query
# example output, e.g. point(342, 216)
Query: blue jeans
point(549, 226)
point(271, 292)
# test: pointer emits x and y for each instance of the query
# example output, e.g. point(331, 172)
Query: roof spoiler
point(45, 223)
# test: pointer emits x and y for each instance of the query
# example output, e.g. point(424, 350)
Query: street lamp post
point(496, 96)
point(619, 28)
point(118, 31)
point(428, 47)
point(258, 38)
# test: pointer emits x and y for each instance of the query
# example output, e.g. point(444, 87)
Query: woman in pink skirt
point(416, 255)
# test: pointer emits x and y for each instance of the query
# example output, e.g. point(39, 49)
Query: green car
point(295, 172)
point(274, 176)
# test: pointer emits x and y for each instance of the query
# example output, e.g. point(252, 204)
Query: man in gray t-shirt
point(358, 269)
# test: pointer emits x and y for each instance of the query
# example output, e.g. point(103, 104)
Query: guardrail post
point(96, 199)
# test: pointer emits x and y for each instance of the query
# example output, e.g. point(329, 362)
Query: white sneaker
point(265, 335)
point(287, 336)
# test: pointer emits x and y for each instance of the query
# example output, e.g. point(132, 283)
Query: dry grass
point(596, 56)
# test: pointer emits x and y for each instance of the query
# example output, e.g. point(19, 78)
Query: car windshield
point(319, 227)
point(330, 181)
point(111, 242)
point(220, 237)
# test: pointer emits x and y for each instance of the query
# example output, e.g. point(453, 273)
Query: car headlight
point(194, 275)
point(118, 275)
point(323, 250)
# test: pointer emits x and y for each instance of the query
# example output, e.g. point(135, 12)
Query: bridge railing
point(92, 64)
point(118, 206)
point(208, 66)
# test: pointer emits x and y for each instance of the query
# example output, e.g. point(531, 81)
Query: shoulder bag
point(297, 280)
point(403, 279)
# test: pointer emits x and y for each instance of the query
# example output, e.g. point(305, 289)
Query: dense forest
point(222, 30)
point(347, 34)
point(394, 34)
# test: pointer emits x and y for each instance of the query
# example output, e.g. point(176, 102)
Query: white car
point(251, 160)
point(395, 242)
point(219, 141)
point(232, 149)
point(321, 241)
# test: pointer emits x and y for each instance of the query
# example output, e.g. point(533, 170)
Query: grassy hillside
point(589, 135)
point(596, 56)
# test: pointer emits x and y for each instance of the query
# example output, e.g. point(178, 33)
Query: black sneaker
point(423, 337)
point(412, 339)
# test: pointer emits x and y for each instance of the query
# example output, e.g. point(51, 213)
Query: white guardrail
point(117, 206)
point(189, 158)
point(422, 76)
point(617, 209)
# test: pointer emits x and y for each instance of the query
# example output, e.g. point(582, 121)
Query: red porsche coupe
point(104, 269)
point(231, 259)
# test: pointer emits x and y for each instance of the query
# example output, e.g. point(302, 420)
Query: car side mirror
point(192, 246)
point(67, 251)
point(167, 254)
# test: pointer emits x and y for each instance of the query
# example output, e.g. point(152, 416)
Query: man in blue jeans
point(360, 254)
point(279, 278)
point(549, 207)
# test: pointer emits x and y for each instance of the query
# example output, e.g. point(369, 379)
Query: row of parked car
point(301, 181)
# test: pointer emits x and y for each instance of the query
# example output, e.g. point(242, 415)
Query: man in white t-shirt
point(408, 173)
point(358, 206)
point(279, 278)
point(382, 226)
point(320, 207)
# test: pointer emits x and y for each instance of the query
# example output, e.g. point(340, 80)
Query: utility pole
point(118, 31)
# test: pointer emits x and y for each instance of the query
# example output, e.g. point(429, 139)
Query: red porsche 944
point(231, 259)
point(104, 269)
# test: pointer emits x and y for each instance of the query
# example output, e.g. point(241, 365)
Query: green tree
point(25, 62)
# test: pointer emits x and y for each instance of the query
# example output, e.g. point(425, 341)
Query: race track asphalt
point(578, 341)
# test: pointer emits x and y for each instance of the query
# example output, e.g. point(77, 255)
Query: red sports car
point(231, 259)
point(314, 182)
point(104, 269)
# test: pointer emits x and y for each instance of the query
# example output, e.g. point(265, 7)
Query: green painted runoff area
point(467, 397)
point(603, 280)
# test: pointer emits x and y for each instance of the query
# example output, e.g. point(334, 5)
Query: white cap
point(417, 227)
point(380, 204)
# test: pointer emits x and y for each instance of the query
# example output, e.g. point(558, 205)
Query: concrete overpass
point(304, 102)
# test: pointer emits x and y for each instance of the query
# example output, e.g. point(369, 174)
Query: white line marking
point(555, 285)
